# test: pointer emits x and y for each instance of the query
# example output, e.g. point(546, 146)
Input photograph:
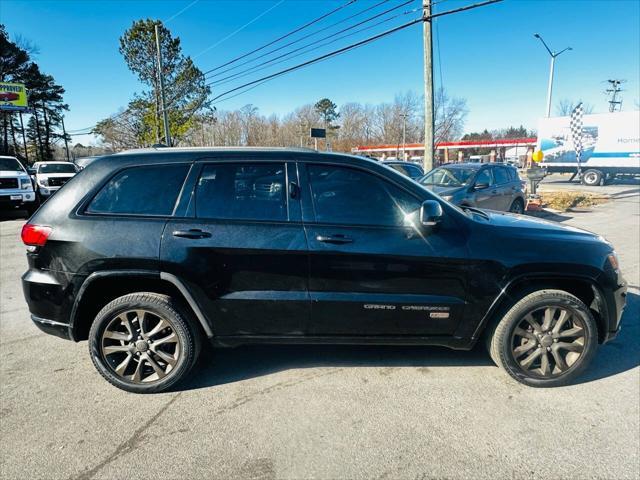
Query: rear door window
point(242, 191)
point(147, 190)
point(501, 175)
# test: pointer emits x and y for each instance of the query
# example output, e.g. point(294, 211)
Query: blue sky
point(488, 55)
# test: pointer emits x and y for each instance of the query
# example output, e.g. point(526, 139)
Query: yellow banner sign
point(13, 96)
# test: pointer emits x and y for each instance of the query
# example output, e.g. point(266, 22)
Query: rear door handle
point(335, 239)
point(191, 233)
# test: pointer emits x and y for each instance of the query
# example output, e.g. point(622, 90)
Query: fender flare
point(168, 277)
point(497, 302)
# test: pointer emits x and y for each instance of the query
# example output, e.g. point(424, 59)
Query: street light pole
point(550, 87)
point(551, 69)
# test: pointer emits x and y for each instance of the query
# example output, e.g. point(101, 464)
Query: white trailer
point(610, 143)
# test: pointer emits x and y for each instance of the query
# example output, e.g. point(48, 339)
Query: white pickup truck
point(16, 189)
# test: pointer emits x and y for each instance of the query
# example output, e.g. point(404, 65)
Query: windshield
point(448, 177)
point(10, 164)
point(57, 168)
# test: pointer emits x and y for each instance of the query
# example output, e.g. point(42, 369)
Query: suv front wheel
point(143, 343)
point(546, 339)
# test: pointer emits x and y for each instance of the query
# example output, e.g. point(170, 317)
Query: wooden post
point(24, 140)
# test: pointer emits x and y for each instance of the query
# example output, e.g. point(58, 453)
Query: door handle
point(191, 233)
point(335, 239)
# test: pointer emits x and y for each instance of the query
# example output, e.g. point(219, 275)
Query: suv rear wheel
point(143, 343)
point(546, 339)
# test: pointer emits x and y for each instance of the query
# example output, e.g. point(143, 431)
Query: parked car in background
point(409, 169)
point(493, 186)
point(16, 189)
point(334, 249)
point(50, 176)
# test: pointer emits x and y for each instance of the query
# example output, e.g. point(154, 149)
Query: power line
point(253, 70)
point(243, 74)
point(301, 38)
point(286, 54)
point(260, 81)
point(437, 29)
point(239, 29)
point(355, 45)
point(296, 30)
point(323, 57)
point(181, 11)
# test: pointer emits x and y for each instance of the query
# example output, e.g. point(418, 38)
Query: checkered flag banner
point(576, 130)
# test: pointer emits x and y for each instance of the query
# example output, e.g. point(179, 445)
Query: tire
point(166, 337)
point(592, 178)
point(517, 206)
point(515, 341)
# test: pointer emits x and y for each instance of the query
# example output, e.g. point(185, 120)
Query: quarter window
point(242, 191)
point(148, 190)
point(350, 196)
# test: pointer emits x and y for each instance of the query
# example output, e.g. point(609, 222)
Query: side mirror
point(481, 186)
point(31, 171)
point(430, 213)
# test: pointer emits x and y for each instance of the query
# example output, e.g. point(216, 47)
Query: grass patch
point(564, 201)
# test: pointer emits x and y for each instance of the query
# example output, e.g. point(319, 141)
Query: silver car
point(493, 186)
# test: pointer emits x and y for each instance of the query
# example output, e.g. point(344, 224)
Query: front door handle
point(191, 233)
point(335, 239)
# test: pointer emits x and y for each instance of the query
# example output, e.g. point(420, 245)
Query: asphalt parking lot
point(323, 411)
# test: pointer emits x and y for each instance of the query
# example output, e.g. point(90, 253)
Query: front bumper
point(16, 198)
point(615, 300)
point(52, 327)
point(47, 191)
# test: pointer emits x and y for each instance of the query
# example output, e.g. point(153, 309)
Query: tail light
point(35, 235)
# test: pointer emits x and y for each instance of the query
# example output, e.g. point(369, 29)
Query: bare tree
point(359, 124)
point(451, 113)
point(566, 106)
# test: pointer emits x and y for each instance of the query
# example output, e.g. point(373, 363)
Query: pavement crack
point(238, 402)
point(128, 445)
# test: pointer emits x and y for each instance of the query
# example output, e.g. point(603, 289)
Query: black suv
point(148, 254)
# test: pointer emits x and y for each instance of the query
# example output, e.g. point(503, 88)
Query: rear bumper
point(48, 302)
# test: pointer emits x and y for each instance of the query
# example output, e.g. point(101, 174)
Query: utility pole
point(24, 139)
point(428, 86)
point(64, 133)
point(614, 103)
point(167, 134)
point(404, 134)
point(551, 69)
point(38, 136)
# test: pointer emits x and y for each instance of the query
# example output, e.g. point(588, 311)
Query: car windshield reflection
point(448, 177)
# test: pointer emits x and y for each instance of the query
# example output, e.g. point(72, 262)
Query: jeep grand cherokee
point(149, 254)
